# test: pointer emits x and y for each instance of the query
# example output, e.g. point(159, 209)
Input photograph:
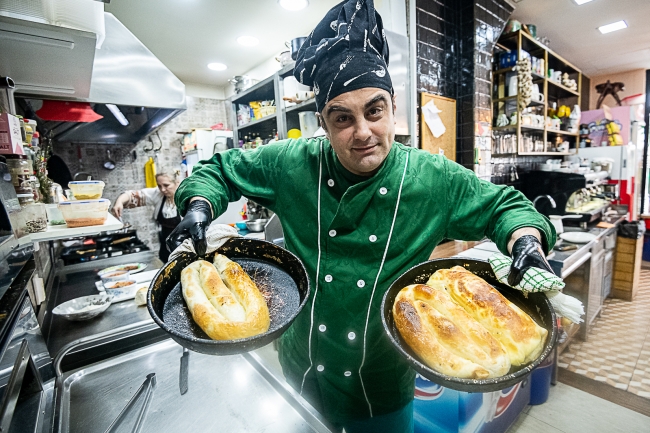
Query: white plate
point(140, 267)
point(578, 237)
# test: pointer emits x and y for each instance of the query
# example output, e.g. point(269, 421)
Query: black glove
point(527, 252)
point(194, 224)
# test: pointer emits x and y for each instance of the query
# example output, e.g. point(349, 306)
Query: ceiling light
point(618, 25)
point(118, 114)
point(248, 41)
point(581, 2)
point(217, 66)
point(294, 5)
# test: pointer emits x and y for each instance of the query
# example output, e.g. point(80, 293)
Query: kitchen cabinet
point(527, 137)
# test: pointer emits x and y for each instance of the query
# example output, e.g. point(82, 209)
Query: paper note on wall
point(432, 119)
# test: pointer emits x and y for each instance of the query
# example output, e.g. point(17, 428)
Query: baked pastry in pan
point(223, 300)
point(461, 326)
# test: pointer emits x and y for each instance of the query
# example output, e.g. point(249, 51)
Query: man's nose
point(362, 131)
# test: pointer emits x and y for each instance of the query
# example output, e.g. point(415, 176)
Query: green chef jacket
point(355, 237)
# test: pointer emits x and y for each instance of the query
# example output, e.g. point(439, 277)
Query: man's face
point(361, 127)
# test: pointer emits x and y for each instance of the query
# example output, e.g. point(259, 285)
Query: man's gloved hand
point(527, 252)
point(194, 224)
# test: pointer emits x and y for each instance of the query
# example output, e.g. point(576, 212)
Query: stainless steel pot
point(242, 82)
point(256, 225)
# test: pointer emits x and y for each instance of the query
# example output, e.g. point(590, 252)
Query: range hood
point(123, 81)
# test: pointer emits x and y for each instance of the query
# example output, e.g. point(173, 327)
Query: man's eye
point(342, 119)
point(375, 111)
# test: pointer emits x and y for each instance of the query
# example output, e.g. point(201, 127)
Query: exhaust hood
point(123, 81)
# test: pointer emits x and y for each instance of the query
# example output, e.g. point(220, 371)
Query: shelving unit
point(284, 119)
point(553, 92)
point(63, 232)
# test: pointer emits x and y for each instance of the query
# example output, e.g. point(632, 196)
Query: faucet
point(550, 199)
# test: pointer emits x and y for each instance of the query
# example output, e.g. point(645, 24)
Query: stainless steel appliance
point(569, 193)
point(123, 81)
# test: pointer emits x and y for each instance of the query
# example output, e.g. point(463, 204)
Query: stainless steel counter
point(120, 321)
point(225, 393)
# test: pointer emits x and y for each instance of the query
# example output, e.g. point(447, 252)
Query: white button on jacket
point(332, 233)
point(361, 284)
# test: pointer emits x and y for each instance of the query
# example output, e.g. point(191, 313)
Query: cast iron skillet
point(536, 305)
point(280, 276)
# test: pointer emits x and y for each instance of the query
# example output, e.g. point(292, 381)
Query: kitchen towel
point(216, 236)
point(539, 280)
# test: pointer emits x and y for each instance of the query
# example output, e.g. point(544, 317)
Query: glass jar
point(33, 215)
point(21, 169)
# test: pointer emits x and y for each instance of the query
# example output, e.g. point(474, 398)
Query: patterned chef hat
point(346, 51)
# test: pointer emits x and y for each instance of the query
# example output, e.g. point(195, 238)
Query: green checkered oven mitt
point(539, 280)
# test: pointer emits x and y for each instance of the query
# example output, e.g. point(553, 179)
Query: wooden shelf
point(570, 134)
point(503, 71)
point(517, 42)
point(257, 121)
point(532, 128)
point(546, 153)
point(562, 87)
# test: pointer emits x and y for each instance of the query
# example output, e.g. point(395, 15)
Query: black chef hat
point(346, 51)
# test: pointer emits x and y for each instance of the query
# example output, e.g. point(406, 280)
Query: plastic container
point(87, 189)
point(20, 168)
point(83, 213)
point(54, 215)
point(32, 215)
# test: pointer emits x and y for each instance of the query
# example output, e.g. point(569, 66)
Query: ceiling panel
point(186, 35)
point(573, 32)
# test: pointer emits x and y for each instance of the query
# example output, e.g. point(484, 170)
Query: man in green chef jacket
point(358, 209)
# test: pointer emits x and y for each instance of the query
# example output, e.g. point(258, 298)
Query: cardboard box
point(627, 268)
point(11, 141)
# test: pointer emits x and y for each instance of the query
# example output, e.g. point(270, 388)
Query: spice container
point(32, 215)
point(20, 168)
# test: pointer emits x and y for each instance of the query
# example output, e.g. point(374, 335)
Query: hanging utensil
point(109, 164)
point(81, 174)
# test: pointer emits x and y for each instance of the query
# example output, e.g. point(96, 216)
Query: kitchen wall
point(634, 84)
point(130, 159)
point(455, 39)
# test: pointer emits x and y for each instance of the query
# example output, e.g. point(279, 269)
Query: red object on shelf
point(65, 111)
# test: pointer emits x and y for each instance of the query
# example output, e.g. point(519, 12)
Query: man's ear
point(394, 103)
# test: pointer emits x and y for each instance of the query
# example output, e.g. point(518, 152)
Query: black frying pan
point(536, 305)
point(280, 276)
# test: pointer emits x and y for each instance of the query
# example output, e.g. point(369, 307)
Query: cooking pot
point(295, 45)
point(242, 82)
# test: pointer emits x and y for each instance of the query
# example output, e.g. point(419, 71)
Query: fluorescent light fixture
point(217, 66)
point(618, 25)
point(294, 5)
point(118, 114)
point(581, 2)
point(248, 41)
